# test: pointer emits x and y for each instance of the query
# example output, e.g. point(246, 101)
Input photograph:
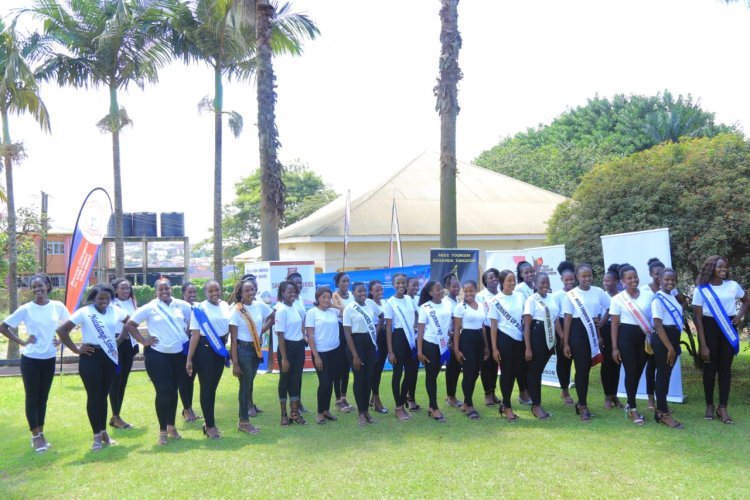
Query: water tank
point(144, 224)
point(127, 225)
point(172, 224)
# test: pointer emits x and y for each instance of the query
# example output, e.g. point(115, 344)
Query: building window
point(58, 280)
point(55, 248)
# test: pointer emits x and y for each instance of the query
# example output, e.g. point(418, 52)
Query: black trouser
point(650, 374)
point(721, 358)
point(341, 376)
point(489, 368)
point(432, 370)
point(117, 390)
point(580, 349)
point(405, 365)
point(187, 386)
point(290, 383)
point(471, 345)
point(563, 365)
point(37, 375)
point(249, 361)
point(97, 372)
point(663, 369)
point(631, 341)
point(511, 364)
point(380, 361)
point(364, 377)
point(610, 371)
point(331, 367)
point(452, 372)
point(540, 355)
point(210, 367)
point(166, 372)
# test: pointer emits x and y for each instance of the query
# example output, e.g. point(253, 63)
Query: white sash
point(442, 335)
point(369, 323)
point(588, 323)
point(408, 327)
point(505, 314)
point(638, 314)
point(106, 338)
point(549, 327)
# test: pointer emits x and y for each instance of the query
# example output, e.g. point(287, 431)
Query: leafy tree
point(242, 218)
point(556, 156)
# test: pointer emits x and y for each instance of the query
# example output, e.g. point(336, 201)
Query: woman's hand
point(189, 367)
point(84, 350)
point(616, 356)
point(496, 355)
point(318, 363)
point(356, 363)
point(486, 354)
point(671, 356)
point(30, 340)
point(423, 359)
point(284, 365)
point(566, 351)
point(149, 341)
point(236, 370)
point(459, 356)
point(392, 358)
point(705, 354)
point(528, 355)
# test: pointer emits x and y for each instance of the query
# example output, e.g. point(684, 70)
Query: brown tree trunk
point(114, 110)
point(218, 130)
point(13, 348)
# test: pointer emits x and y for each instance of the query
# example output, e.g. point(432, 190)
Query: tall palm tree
point(219, 33)
point(447, 107)
point(109, 43)
point(19, 93)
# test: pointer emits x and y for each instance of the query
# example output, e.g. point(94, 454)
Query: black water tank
point(144, 224)
point(172, 224)
point(127, 225)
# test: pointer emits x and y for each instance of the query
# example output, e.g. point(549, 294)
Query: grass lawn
point(419, 458)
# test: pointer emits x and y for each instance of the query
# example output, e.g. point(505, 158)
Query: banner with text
point(464, 263)
point(544, 259)
point(385, 276)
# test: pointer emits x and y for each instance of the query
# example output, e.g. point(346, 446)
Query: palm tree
point(219, 33)
point(109, 43)
point(19, 93)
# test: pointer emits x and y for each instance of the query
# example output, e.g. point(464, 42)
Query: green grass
point(418, 458)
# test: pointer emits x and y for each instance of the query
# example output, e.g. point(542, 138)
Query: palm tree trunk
point(272, 186)
point(218, 107)
point(447, 107)
point(13, 351)
point(114, 111)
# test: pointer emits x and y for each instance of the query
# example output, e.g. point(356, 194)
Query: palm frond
point(235, 122)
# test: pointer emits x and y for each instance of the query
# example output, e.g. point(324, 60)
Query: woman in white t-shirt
point(506, 330)
point(248, 321)
point(470, 346)
point(400, 318)
point(716, 351)
point(291, 352)
point(630, 311)
point(97, 355)
point(375, 288)
point(433, 325)
point(322, 333)
point(540, 327)
point(41, 317)
point(164, 358)
point(127, 347)
point(563, 366)
point(187, 384)
point(362, 319)
point(489, 366)
point(525, 278)
point(452, 288)
point(609, 371)
point(340, 299)
point(210, 357)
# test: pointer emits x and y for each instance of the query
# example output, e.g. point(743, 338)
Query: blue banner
point(385, 276)
point(461, 262)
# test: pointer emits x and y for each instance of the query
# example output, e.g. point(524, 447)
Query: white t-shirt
point(524, 289)
point(728, 293)
point(563, 303)
point(618, 307)
point(533, 308)
point(444, 314)
point(41, 322)
point(659, 311)
point(218, 315)
point(129, 307)
point(170, 331)
point(484, 297)
point(298, 304)
point(258, 311)
point(513, 304)
point(325, 325)
point(415, 300)
point(471, 319)
point(675, 292)
point(343, 302)
point(595, 299)
point(289, 322)
point(111, 320)
point(355, 320)
point(400, 310)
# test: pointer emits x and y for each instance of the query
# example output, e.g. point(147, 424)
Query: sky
point(358, 104)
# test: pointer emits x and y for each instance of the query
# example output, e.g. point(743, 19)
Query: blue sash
point(722, 318)
point(214, 339)
point(672, 310)
point(441, 335)
point(106, 338)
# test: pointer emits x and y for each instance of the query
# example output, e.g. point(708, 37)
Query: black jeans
point(452, 372)
point(290, 383)
point(249, 362)
point(511, 364)
point(210, 367)
point(580, 349)
point(331, 367)
point(722, 356)
point(125, 351)
point(471, 345)
point(489, 367)
point(535, 368)
point(563, 365)
point(650, 374)
point(432, 370)
point(405, 365)
point(186, 389)
point(37, 375)
point(663, 369)
point(382, 357)
point(366, 374)
point(166, 372)
point(341, 375)
point(610, 371)
point(631, 341)
point(97, 372)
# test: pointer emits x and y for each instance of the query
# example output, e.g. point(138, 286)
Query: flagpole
point(347, 222)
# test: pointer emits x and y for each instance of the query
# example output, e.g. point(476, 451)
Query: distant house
point(59, 241)
point(494, 212)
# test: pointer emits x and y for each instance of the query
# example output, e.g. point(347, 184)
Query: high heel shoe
point(584, 413)
point(634, 416)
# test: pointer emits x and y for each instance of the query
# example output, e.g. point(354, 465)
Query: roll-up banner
point(544, 259)
point(464, 263)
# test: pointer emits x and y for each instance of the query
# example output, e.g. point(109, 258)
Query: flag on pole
point(347, 222)
point(395, 236)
